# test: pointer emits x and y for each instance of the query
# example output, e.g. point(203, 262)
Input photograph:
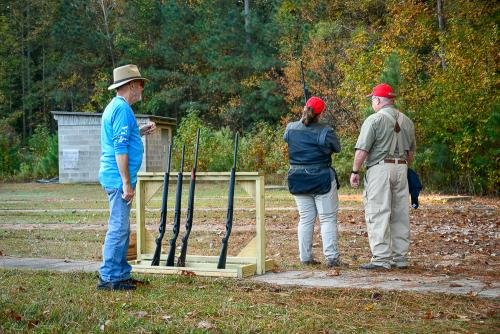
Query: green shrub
point(262, 149)
point(10, 159)
point(41, 156)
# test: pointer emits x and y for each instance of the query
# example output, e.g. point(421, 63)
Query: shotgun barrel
point(177, 215)
point(181, 261)
point(230, 204)
point(163, 215)
point(306, 90)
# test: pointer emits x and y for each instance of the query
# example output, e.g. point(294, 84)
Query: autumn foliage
point(240, 72)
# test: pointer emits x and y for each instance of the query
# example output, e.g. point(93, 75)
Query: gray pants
point(387, 213)
point(325, 207)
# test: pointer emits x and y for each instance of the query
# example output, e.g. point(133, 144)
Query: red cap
point(317, 104)
point(383, 90)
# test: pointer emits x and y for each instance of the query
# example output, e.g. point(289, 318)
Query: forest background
point(230, 66)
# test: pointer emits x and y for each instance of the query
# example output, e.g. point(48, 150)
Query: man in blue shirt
point(121, 158)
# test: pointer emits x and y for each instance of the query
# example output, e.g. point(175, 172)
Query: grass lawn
point(70, 221)
point(69, 303)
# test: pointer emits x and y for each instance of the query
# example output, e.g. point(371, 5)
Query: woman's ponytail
point(308, 116)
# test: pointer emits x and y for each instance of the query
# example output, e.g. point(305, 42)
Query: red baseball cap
point(383, 90)
point(317, 104)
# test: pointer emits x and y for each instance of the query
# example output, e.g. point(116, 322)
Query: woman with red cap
point(313, 181)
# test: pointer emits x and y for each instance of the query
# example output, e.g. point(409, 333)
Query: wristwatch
point(355, 172)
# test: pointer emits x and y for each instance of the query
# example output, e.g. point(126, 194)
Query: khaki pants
point(386, 213)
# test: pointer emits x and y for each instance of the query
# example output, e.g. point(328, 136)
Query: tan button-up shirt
point(377, 133)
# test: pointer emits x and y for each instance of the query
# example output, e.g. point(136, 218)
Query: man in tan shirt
point(386, 144)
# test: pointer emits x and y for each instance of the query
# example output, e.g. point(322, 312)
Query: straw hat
point(124, 74)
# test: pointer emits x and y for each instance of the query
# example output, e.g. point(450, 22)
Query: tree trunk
point(247, 22)
point(441, 31)
point(28, 69)
point(23, 83)
point(109, 39)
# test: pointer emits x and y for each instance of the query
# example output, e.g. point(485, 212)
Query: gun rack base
point(237, 267)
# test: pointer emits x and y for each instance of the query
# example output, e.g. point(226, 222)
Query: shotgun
point(181, 261)
point(177, 215)
point(230, 202)
point(163, 216)
point(306, 91)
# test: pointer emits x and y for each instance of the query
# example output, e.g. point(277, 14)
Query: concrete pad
point(393, 280)
point(62, 265)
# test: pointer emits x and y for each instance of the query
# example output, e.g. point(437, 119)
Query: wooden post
point(140, 205)
point(260, 225)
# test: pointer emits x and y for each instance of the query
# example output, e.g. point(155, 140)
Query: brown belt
point(393, 161)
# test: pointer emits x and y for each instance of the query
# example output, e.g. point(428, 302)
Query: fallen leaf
point(428, 315)
point(187, 273)
point(275, 289)
point(455, 285)
point(333, 272)
point(306, 274)
point(14, 315)
point(369, 307)
point(166, 318)
point(205, 325)
point(32, 323)
point(141, 314)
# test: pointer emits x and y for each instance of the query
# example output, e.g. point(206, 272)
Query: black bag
point(315, 181)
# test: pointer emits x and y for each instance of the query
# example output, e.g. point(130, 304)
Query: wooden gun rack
point(250, 261)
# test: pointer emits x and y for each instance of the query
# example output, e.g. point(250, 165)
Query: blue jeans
point(114, 267)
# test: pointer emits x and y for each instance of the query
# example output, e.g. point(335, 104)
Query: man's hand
point(148, 129)
point(128, 192)
point(359, 158)
point(354, 180)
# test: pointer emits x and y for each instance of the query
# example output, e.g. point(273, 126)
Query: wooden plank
point(207, 259)
point(149, 245)
point(140, 217)
point(260, 247)
point(198, 269)
point(151, 188)
point(248, 186)
point(270, 265)
point(202, 176)
point(250, 249)
point(185, 271)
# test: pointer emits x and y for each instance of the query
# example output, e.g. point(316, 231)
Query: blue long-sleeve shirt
point(119, 135)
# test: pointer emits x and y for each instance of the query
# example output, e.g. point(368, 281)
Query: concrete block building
point(79, 138)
